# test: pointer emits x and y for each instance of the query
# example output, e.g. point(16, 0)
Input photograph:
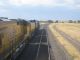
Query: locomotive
point(14, 35)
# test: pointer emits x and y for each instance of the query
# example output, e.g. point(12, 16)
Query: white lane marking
point(43, 35)
point(48, 44)
point(39, 46)
point(37, 36)
point(38, 43)
point(17, 49)
point(34, 43)
point(21, 45)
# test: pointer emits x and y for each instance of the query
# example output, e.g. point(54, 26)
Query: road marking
point(48, 45)
point(36, 36)
point(33, 43)
point(39, 47)
point(75, 54)
point(44, 35)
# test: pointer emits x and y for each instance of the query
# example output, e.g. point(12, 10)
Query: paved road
point(37, 48)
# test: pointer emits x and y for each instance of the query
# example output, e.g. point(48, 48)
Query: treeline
point(69, 21)
point(46, 21)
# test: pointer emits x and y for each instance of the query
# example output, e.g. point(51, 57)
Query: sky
point(41, 9)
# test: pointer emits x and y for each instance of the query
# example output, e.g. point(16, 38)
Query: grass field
point(72, 29)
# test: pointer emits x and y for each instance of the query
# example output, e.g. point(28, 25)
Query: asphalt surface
point(37, 48)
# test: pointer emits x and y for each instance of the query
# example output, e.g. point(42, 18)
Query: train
point(14, 36)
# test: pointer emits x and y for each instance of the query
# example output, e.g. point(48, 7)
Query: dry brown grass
point(74, 53)
point(71, 29)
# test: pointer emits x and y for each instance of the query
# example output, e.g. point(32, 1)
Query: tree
point(74, 21)
point(78, 21)
point(50, 21)
point(70, 21)
point(56, 21)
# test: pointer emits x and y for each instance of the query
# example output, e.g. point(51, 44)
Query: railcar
point(13, 37)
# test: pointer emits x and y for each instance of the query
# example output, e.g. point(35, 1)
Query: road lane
point(37, 48)
point(43, 52)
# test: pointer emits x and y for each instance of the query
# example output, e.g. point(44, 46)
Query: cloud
point(71, 2)
point(49, 3)
point(2, 7)
point(32, 2)
point(40, 2)
point(1, 3)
